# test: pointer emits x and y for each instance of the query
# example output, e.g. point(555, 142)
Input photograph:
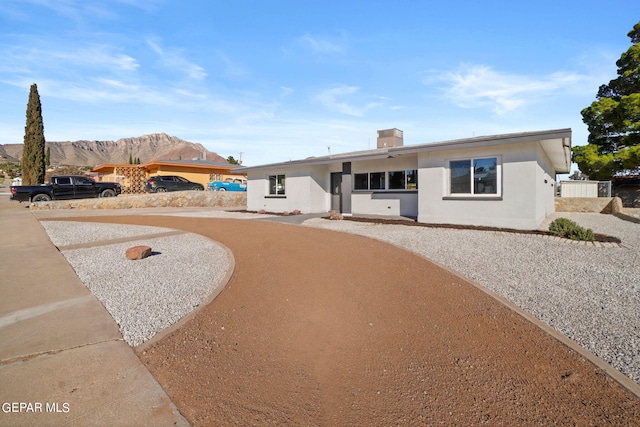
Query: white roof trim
point(556, 143)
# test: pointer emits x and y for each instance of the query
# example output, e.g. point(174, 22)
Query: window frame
point(472, 194)
point(278, 177)
point(359, 178)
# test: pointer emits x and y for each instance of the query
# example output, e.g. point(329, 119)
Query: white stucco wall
point(545, 186)
point(306, 189)
point(523, 202)
point(389, 202)
point(519, 206)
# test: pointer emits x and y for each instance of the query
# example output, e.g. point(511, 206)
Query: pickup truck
point(64, 188)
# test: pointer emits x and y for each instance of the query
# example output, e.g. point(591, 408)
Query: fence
point(585, 188)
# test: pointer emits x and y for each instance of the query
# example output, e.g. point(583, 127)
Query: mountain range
point(147, 148)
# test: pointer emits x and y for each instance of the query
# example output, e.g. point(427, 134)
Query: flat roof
point(194, 163)
point(556, 143)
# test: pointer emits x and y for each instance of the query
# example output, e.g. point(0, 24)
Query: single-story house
point(133, 177)
point(498, 181)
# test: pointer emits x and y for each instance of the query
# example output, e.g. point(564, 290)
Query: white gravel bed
point(66, 233)
point(143, 296)
point(590, 294)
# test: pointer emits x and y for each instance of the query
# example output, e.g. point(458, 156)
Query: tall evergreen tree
point(33, 155)
point(614, 120)
point(47, 157)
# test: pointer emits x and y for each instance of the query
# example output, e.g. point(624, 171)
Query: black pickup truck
point(64, 188)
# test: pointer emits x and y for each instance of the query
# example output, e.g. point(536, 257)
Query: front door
point(336, 191)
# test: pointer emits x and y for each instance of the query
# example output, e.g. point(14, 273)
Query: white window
point(276, 185)
point(475, 177)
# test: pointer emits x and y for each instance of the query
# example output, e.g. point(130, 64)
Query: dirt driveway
point(323, 328)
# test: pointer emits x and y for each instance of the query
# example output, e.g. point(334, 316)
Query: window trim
point(448, 195)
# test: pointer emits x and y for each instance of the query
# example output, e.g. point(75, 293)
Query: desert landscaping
point(318, 327)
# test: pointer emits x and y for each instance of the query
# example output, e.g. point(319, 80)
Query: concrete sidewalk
point(62, 358)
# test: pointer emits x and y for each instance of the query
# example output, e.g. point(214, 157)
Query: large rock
point(138, 252)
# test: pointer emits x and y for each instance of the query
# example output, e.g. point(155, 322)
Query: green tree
point(47, 157)
point(613, 120)
point(33, 155)
point(232, 161)
point(130, 159)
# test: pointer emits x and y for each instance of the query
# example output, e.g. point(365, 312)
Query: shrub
point(564, 227)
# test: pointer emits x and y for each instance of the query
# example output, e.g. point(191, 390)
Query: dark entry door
point(336, 191)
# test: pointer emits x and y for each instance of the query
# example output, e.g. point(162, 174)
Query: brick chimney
point(390, 138)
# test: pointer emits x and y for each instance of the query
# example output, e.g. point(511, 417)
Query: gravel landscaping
point(590, 294)
point(143, 296)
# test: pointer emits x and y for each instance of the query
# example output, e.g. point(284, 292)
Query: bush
point(564, 227)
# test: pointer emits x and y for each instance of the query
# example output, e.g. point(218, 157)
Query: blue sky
point(281, 80)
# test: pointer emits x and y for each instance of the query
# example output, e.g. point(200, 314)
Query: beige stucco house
point(499, 181)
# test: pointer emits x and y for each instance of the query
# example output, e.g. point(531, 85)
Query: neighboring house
point(132, 177)
point(498, 181)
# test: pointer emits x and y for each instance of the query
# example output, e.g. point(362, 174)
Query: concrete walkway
point(62, 358)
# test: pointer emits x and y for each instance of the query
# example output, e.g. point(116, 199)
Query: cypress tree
point(47, 157)
point(33, 155)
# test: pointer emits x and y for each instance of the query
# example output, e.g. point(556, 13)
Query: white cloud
point(286, 91)
point(333, 99)
point(173, 59)
point(480, 86)
point(323, 45)
point(77, 10)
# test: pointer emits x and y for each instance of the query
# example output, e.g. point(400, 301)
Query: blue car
point(229, 184)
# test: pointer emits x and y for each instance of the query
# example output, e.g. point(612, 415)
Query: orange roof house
point(133, 177)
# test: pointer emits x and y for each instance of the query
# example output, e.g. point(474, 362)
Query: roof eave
point(561, 137)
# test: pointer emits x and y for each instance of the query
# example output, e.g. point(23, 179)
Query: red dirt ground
point(324, 328)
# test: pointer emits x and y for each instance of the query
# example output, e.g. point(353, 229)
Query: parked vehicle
point(229, 184)
point(164, 183)
point(65, 187)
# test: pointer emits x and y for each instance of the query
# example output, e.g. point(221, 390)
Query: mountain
point(157, 146)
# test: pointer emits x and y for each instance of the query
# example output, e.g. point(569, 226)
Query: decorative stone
point(296, 212)
point(138, 252)
point(335, 216)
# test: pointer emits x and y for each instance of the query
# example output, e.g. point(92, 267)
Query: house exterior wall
point(385, 202)
point(306, 189)
point(517, 206)
point(521, 196)
point(200, 175)
point(545, 186)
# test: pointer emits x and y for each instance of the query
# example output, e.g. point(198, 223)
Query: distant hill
point(157, 146)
